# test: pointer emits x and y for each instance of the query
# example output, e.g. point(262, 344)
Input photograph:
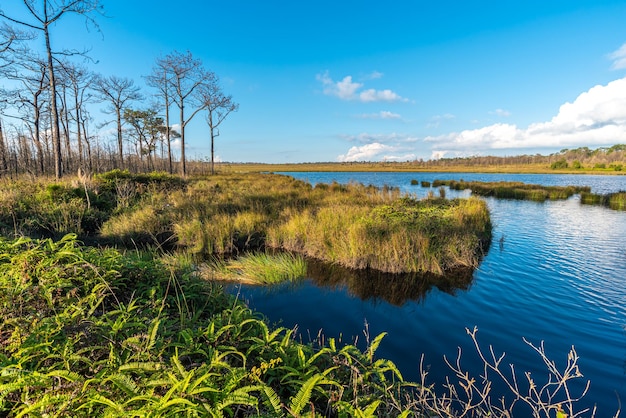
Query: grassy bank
point(404, 235)
point(354, 225)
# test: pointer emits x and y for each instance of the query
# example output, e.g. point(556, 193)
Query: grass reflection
point(396, 289)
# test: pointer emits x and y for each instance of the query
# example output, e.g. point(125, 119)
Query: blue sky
point(396, 80)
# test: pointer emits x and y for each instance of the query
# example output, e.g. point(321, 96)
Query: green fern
point(301, 399)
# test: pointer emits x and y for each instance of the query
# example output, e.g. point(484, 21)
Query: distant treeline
point(604, 158)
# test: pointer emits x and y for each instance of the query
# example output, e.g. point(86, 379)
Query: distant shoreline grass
point(408, 168)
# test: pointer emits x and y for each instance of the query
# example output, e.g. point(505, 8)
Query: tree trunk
point(183, 166)
point(56, 132)
point(120, 147)
point(65, 121)
point(167, 131)
point(212, 152)
point(4, 166)
point(78, 131)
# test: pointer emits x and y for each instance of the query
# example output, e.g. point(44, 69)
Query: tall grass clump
point(258, 268)
point(406, 235)
point(615, 201)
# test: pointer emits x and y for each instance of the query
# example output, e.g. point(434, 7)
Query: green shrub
point(560, 164)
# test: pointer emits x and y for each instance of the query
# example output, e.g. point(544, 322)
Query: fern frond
point(239, 396)
point(271, 399)
point(301, 399)
point(374, 346)
point(125, 383)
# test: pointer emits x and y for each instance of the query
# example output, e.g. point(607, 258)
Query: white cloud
point(384, 114)
point(371, 95)
point(381, 147)
point(405, 157)
point(619, 58)
point(595, 118)
point(366, 152)
point(347, 89)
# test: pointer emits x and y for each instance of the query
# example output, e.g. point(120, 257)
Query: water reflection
point(395, 289)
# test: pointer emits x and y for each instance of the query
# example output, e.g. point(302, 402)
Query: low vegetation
point(90, 332)
point(514, 190)
point(616, 201)
point(98, 332)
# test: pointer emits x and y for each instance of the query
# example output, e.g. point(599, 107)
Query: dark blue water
point(558, 276)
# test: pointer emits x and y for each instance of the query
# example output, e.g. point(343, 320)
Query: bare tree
point(187, 76)
point(29, 98)
point(218, 106)
point(78, 80)
point(160, 80)
point(10, 38)
point(44, 14)
point(118, 92)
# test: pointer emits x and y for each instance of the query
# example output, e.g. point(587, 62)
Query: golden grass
point(353, 225)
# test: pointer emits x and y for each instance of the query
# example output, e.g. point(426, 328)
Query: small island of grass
point(514, 190)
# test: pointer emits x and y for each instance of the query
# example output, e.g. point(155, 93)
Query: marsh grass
point(257, 268)
point(514, 190)
point(342, 223)
point(406, 235)
point(239, 213)
point(615, 201)
point(89, 331)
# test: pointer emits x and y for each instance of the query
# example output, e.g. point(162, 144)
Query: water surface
point(556, 272)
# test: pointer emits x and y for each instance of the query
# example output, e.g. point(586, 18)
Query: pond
point(555, 272)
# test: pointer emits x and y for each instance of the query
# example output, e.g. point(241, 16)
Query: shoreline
point(406, 168)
